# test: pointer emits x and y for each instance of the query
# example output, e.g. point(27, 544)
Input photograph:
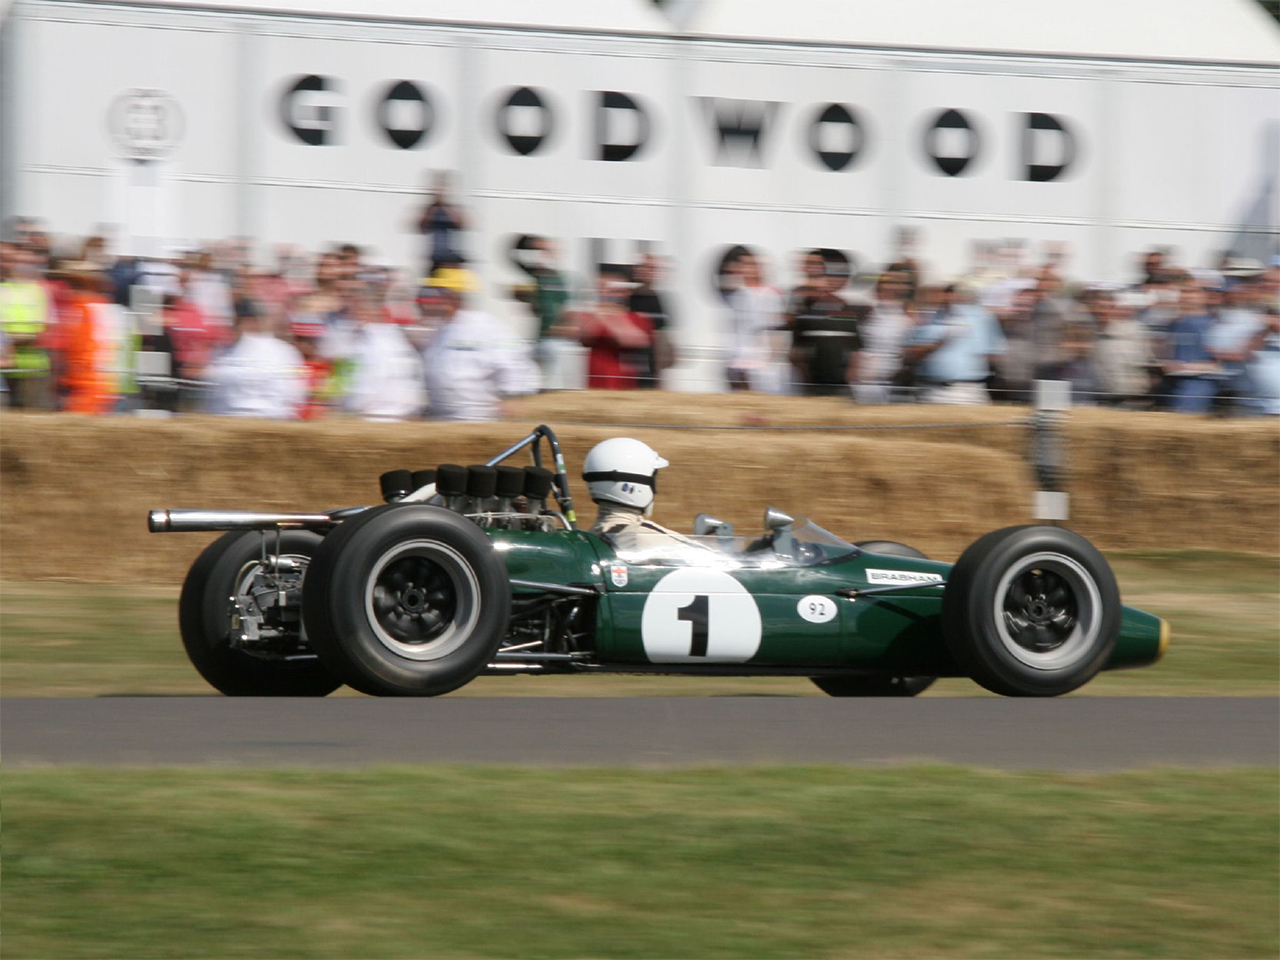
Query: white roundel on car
point(700, 616)
point(816, 609)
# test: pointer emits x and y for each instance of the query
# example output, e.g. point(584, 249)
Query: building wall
point(313, 129)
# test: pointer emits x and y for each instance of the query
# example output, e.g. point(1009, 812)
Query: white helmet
point(622, 471)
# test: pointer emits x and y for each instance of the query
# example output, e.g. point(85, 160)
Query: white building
point(1112, 125)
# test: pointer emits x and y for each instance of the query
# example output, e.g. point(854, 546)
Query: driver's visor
point(617, 476)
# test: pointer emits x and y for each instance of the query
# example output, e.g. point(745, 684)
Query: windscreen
point(801, 544)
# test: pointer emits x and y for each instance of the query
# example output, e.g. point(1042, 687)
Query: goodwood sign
point(740, 132)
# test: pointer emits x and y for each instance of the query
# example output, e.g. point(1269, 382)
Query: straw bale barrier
point(982, 426)
point(74, 491)
point(1149, 480)
point(1171, 481)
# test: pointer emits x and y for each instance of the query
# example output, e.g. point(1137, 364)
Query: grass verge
point(75, 639)
point(766, 862)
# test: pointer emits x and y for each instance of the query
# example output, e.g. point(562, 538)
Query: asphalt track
point(1075, 733)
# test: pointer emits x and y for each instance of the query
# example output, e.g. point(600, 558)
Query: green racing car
point(483, 570)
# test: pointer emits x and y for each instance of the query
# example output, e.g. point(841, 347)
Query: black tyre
point(204, 617)
point(406, 600)
point(878, 686)
point(873, 686)
point(1031, 611)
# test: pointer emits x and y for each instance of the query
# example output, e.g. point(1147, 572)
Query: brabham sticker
point(902, 577)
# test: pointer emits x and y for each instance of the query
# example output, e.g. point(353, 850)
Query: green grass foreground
point(74, 639)
point(763, 862)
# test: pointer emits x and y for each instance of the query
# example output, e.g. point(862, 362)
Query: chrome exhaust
point(189, 521)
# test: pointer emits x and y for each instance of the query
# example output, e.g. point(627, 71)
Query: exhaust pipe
point(189, 521)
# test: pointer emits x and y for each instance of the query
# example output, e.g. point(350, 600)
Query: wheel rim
point(1048, 611)
point(252, 569)
point(421, 600)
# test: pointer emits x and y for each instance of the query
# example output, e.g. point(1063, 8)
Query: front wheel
point(225, 570)
point(1031, 611)
point(406, 600)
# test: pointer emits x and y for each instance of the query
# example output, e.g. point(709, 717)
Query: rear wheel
point(407, 600)
point(865, 686)
point(205, 611)
point(1031, 611)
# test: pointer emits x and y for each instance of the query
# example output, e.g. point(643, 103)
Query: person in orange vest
point(88, 385)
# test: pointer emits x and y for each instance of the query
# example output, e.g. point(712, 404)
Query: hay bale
point(981, 426)
point(76, 490)
point(1172, 481)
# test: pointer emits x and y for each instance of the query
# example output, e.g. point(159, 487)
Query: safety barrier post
point(1048, 449)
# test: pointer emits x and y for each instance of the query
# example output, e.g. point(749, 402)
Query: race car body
point(468, 571)
point(766, 612)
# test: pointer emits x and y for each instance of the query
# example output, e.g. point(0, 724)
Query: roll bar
point(543, 432)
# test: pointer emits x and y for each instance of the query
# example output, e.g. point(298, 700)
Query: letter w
point(741, 127)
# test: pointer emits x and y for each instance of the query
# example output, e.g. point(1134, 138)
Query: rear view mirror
point(775, 519)
point(705, 525)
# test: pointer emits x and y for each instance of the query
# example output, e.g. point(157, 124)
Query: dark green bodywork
point(898, 633)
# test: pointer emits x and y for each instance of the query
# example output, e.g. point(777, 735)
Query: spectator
point(207, 290)
point(260, 375)
point(1017, 368)
point(1159, 303)
point(884, 331)
point(6, 363)
point(25, 318)
point(1155, 266)
point(307, 335)
point(955, 350)
point(825, 338)
point(549, 301)
point(551, 287)
point(646, 301)
point(471, 363)
point(1122, 353)
point(1264, 364)
point(1191, 373)
point(1051, 312)
point(441, 222)
point(386, 380)
point(755, 310)
point(1076, 363)
point(1232, 337)
point(87, 341)
point(813, 271)
point(349, 259)
point(618, 340)
point(192, 339)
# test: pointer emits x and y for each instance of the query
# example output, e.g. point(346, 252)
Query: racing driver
point(622, 477)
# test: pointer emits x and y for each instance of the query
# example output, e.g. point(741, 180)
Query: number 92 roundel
point(700, 616)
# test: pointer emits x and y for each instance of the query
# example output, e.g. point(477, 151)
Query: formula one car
point(483, 570)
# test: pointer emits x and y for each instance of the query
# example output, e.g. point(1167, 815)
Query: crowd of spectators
point(207, 329)
point(1190, 340)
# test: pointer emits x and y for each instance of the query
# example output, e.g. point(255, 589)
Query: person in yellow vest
point(24, 317)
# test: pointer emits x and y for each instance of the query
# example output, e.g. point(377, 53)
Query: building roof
point(1217, 31)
